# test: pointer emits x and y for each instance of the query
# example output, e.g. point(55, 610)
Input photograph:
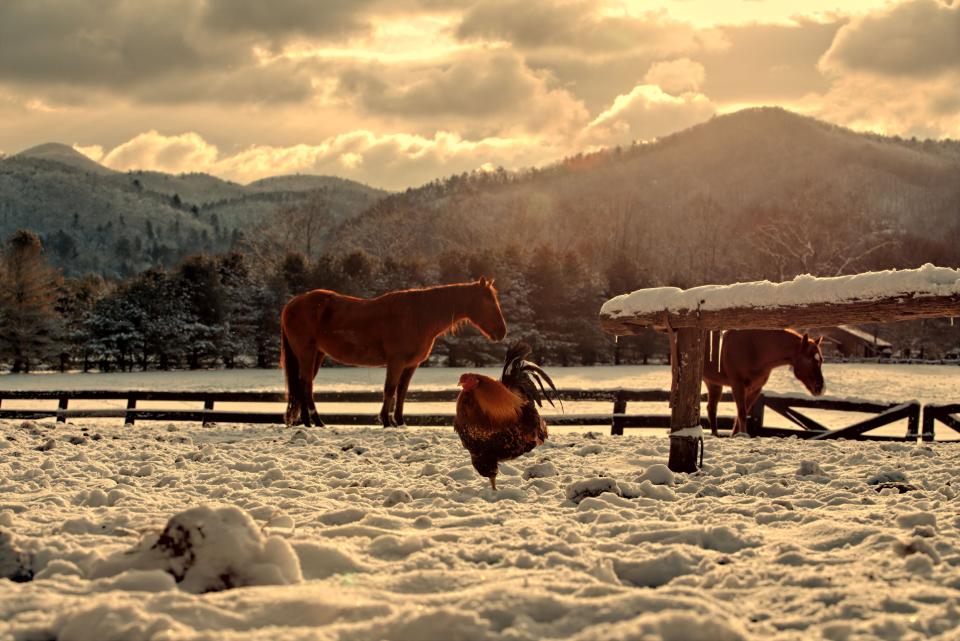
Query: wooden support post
point(913, 424)
point(128, 418)
point(61, 409)
point(688, 371)
point(928, 424)
point(207, 407)
point(619, 407)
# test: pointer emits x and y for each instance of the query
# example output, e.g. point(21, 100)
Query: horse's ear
point(819, 340)
point(483, 281)
point(805, 340)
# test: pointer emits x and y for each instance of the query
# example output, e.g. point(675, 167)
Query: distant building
point(848, 341)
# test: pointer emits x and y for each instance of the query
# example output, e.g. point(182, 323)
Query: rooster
point(498, 420)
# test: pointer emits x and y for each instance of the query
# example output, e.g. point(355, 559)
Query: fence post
point(61, 409)
point(913, 422)
point(619, 407)
point(207, 407)
point(128, 417)
point(928, 424)
point(687, 367)
point(755, 418)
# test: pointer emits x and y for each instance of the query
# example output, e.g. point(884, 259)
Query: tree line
point(223, 310)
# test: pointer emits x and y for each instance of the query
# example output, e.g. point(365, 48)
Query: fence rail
point(618, 420)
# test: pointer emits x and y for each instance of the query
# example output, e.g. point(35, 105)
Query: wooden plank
point(858, 429)
point(62, 404)
point(802, 420)
point(882, 310)
point(777, 402)
point(944, 414)
point(429, 396)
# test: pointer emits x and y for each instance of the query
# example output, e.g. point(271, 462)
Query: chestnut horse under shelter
point(743, 360)
point(396, 330)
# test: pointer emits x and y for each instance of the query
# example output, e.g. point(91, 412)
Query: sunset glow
point(396, 95)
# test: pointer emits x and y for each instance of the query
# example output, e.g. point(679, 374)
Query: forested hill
point(94, 219)
point(758, 193)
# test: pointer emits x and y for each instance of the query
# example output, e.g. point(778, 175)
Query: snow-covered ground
point(390, 534)
point(176, 531)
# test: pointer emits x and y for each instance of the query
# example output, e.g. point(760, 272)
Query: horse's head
point(808, 363)
point(484, 311)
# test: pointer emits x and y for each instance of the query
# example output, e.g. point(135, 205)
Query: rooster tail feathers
point(517, 352)
point(528, 376)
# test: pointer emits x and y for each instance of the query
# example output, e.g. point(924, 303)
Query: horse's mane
point(455, 328)
point(436, 288)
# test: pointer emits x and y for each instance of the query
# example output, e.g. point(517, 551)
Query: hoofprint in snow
point(802, 290)
point(183, 532)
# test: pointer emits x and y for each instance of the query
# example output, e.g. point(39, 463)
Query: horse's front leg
point(713, 398)
point(750, 399)
point(394, 372)
point(402, 392)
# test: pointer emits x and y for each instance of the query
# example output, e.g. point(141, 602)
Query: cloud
point(926, 109)
point(281, 19)
point(93, 152)
point(150, 52)
point(919, 38)
point(647, 112)
point(394, 161)
point(768, 63)
point(895, 71)
point(576, 25)
point(486, 84)
point(154, 151)
point(676, 76)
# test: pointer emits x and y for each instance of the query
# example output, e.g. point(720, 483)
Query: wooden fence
point(618, 419)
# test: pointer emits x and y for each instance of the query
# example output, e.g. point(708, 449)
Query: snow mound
point(579, 490)
point(209, 548)
point(658, 474)
point(14, 565)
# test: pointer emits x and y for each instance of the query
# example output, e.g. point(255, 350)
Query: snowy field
point(354, 534)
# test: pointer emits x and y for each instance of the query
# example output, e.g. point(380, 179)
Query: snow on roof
point(865, 336)
point(928, 280)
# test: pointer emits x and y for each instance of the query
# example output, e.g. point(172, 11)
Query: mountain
point(92, 218)
point(760, 193)
point(64, 154)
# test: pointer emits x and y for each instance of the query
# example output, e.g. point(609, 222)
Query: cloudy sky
point(398, 92)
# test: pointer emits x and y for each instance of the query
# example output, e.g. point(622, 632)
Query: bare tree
point(28, 294)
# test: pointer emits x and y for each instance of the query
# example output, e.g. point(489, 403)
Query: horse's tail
point(291, 373)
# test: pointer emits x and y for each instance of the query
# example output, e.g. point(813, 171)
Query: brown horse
point(396, 330)
point(746, 357)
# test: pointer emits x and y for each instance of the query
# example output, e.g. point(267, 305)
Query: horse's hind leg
point(311, 404)
point(713, 398)
point(402, 392)
point(307, 371)
point(394, 371)
point(739, 397)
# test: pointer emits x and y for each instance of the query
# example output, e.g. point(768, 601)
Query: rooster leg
point(493, 483)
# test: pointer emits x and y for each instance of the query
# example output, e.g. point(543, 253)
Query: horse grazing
point(396, 330)
point(745, 360)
